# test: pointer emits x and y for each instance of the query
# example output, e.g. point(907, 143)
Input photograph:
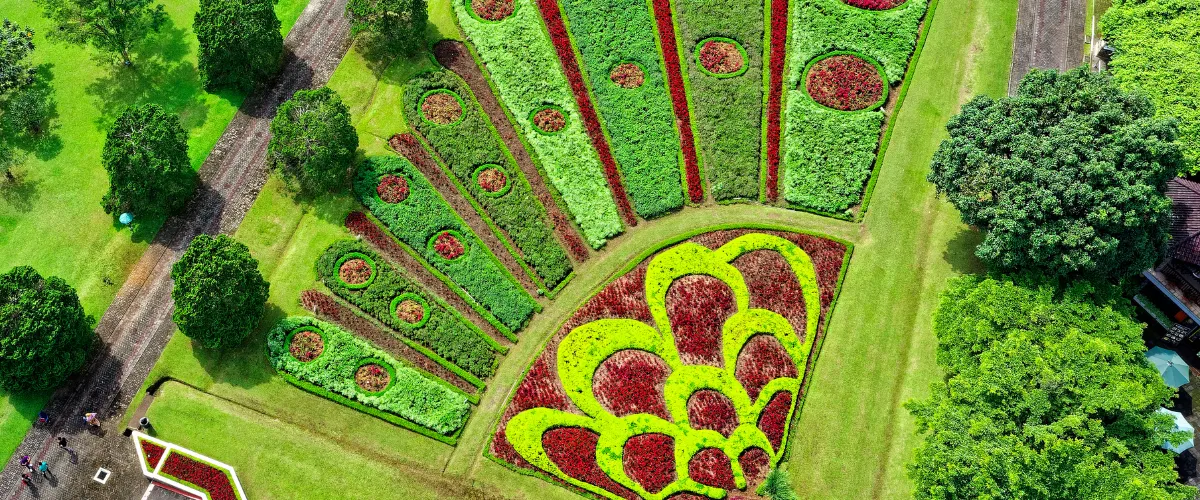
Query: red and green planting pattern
point(619, 51)
point(166, 462)
point(467, 144)
point(682, 375)
point(727, 103)
point(427, 224)
point(524, 67)
point(831, 126)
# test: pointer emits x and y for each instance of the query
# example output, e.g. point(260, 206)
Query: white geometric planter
point(154, 471)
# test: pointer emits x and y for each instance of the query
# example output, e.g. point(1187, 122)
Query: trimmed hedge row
point(422, 216)
point(727, 109)
point(639, 120)
point(471, 143)
point(829, 154)
point(441, 329)
point(410, 395)
point(527, 74)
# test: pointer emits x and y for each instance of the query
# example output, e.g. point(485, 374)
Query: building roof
point(1185, 220)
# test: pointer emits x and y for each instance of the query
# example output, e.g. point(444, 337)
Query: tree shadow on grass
point(960, 252)
point(21, 192)
point(46, 143)
point(245, 365)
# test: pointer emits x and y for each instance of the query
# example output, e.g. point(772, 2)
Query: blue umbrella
point(1181, 424)
point(1173, 369)
point(126, 218)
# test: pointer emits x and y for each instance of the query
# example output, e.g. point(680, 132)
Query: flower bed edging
point(155, 472)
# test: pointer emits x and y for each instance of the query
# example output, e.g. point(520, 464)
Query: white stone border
point(169, 448)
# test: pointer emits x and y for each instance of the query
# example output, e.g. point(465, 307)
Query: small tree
point(28, 110)
point(108, 25)
point(312, 141)
point(44, 334)
point(777, 485)
point(240, 43)
point(16, 43)
point(146, 156)
point(219, 294)
point(1067, 178)
point(10, 159)
point(398, 24)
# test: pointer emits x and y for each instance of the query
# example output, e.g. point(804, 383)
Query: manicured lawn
point(53, 219)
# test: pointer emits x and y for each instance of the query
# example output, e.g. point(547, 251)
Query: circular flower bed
point(845, 82)
point(549, 120)
point(874, 4)
point(493, 10)
point(306, 345)
point(721, 57)
point(492, 180)
point(411, 309)
point(355, 271)
point(392, 189)
point(448, 246)
point(372, 378)
point(441, 107)
point(627, 75)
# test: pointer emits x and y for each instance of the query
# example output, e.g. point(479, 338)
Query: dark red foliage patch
point(354, 271)
point(447, 246)
point(630, 382)
point(204, 476)
point(709, 409)
point(679, 102)
point(649, 460)
point(721, 57)
point(573, 450)
point(774, 417)
point(698, 307)
point(492, 180)
point(874, 4)
point(779, 24)
point(756, 463)
point(306, 346)
point(153, 453)
point(846, 82)
point(549, 120)
point(392, 189)
point(711, 467)
point(762, 360)
point(493, 10)
point(627, 75)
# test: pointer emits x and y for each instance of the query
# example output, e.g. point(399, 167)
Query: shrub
point(44, 335)
point(220, 296)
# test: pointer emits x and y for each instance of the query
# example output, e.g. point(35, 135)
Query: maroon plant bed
point(721, 57)
point(306, 345)
point(875, 4)
point(441, 108)
point(392, 189)
point(549, 120)
point(448, 246)
point(493, 10)
point(492, 180)
point(679, 101)
point(640, 382)
point(627, 75)
point(372, 377)
point(200, 474)
point(845, 82)
point(355, 271)
point(779, 25)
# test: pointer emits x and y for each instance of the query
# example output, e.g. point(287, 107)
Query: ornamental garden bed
point(699, 350)
point(186, 470)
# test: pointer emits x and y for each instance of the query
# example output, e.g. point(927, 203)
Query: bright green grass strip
point(640, 121)
point(727, 111)
point(528, 76)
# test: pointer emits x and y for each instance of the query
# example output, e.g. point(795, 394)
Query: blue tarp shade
point(1174, 369)
point(1181, 424)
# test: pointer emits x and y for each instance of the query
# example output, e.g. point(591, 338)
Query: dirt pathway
point(1049, 36)
point(137, 325)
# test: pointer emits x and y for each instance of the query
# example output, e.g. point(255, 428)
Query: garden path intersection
point(138, 324)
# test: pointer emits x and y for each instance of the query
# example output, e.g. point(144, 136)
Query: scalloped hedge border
point(878, 71)
point(745, 57)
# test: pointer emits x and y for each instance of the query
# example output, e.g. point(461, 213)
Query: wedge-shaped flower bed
point(528, 77)
point(680, 376)
point(483, 167)
point(427, 224)
point(620, 54)
point(722, 41)
point(186, 470)
point(828, 153)
point(352, 371)
point(396, 301)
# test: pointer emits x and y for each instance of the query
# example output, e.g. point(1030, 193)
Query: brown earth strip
point(456, 57)
point(1049, 36)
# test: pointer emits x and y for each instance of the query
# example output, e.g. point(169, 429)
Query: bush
point(441, 329)
point(313, 142)
point(44, 334)
point(469, 144)
point(220, 296)
point(241, 44)
point(146, 156)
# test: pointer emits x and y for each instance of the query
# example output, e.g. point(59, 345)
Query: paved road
point(1049, 36)
point(137, 325)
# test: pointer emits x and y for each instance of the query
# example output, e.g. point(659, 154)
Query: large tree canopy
point(399, 25)
point(44, 334)
point(312, 141)
point(1046, 395)
point(1067, 178)
point(220, 296)
point(1155, 42)
point(146, 156)
point(240, 43)
point(108, 25)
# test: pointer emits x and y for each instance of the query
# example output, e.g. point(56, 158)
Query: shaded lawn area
point(52, 219)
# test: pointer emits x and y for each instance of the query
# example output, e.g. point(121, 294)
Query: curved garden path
point(137, 325)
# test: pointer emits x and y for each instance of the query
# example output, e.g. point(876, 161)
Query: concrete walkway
point(1049, 36)
point(137, 325)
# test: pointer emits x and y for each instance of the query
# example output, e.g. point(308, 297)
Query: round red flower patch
point(549, 120)
point(874, 4)
point(410, 311)
point(627, 75)
point(307, 345)
point(493, 10)
point(845, 82)
point(441, 108)
point(392, 189)
point(721, 57)
point(372, 378)
point(355, 271)
point(447, 246)
point(492, 180)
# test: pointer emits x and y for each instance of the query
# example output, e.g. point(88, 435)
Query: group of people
point(43, 467)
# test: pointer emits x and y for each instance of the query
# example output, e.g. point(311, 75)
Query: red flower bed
point(755, 465)
point(762, 360)
point(441, 108)
point(666, 32)
point(574, 451)
point(574, 242)
point(372, 378)
point(493, 10)
point(774, 418)
point(721, 57)
point(846, 82)
point(711, 467)
point(779, 24)
point(549, 120)
point(562, 43)
point(306, 346)
point(200, 474)
point(627, 75)
point(709, 409)
point(698, 306)
point(649, 459)
point(492, 180)
point(153, 453)
point(354, 271)
point(630, 382)
point(392, 189)
point(874, 4)
point(410, 311)
point(447, 246)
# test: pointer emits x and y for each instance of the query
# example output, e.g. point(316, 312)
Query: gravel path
point(1049, 36)
point(137, 325)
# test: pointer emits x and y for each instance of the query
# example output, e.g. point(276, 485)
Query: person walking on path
point(62, 443)
point(91, 419)
point(26, 462)
point(44, 468)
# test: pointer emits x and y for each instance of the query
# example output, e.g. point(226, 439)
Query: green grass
point(52, 219)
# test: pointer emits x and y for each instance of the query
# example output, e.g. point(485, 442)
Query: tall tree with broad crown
point(146, 156)
point(44, 334)
point(313, 142)
point(220, 296)
point(240, 43)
